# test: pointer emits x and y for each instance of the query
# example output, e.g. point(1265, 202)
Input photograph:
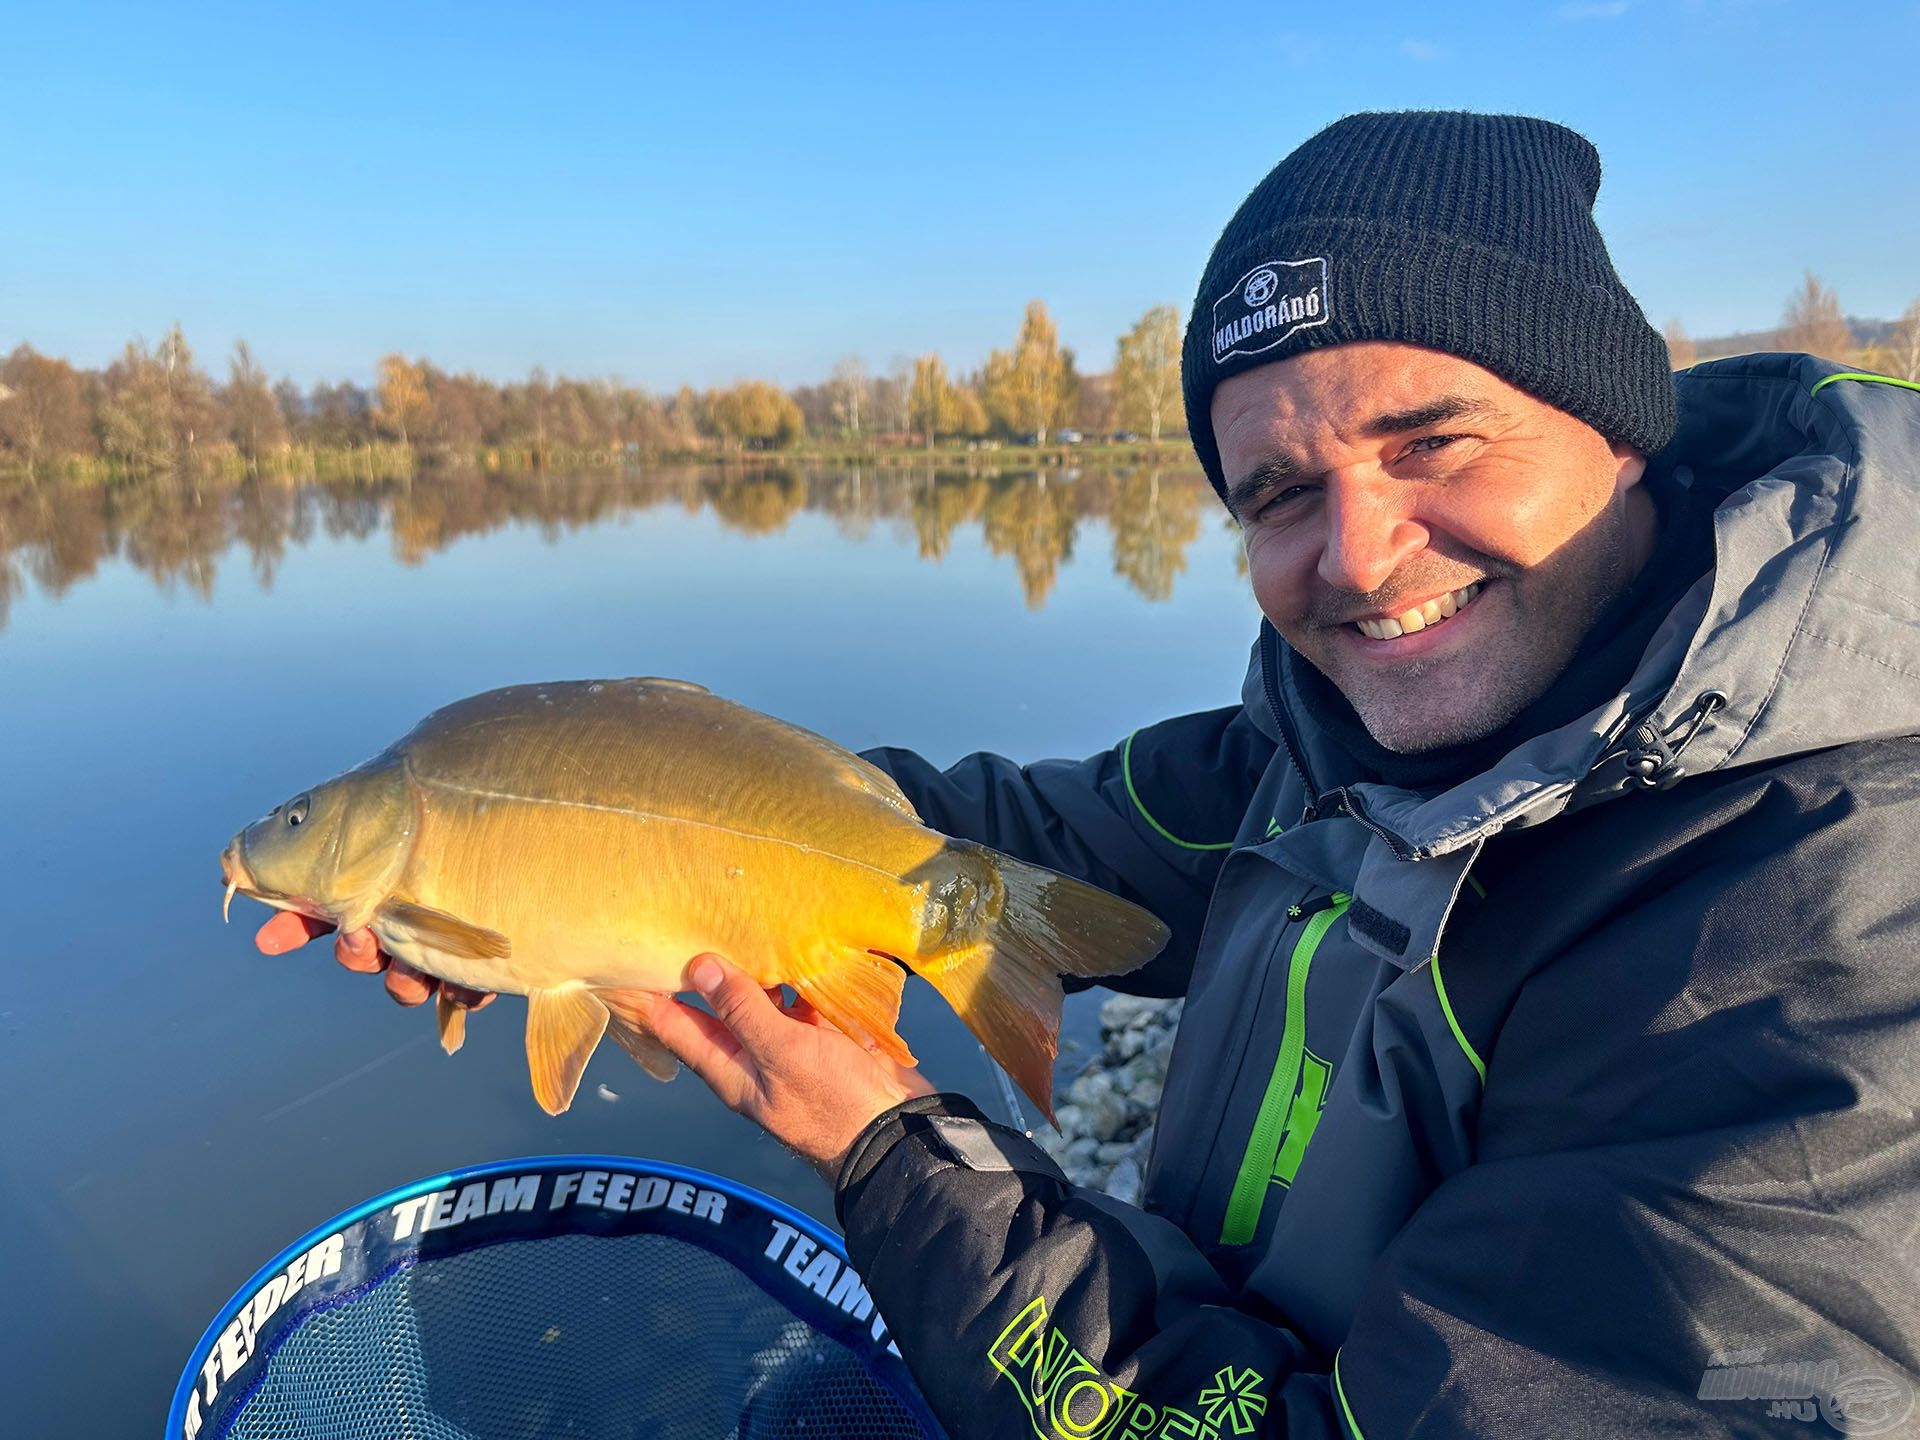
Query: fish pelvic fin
point(563, 1027)
point(858, 993)
point(1000, 966)
point(452, 1020)
point(448, 934)
point(634, 1038)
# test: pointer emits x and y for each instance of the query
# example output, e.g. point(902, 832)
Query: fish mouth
point(236, 877)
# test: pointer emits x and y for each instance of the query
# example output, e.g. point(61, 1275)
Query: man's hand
point(359, 951)
point(782, 1066)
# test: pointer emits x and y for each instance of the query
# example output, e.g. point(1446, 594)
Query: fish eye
point(297, 809)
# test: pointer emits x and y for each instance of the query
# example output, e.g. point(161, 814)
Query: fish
point(575, 840)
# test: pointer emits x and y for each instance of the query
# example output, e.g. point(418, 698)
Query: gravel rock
point(1129, 1012)
point(1106, 1120)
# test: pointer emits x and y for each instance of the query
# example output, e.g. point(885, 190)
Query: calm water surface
point(176, 659)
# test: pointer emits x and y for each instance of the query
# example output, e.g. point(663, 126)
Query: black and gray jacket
point(1578, 1100)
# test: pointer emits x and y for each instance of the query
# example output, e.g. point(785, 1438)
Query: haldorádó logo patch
point(1267, 304)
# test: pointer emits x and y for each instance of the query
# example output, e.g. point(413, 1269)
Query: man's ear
point(1630, 466)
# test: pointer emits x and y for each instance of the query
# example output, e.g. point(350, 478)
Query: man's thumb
point(743, 1007)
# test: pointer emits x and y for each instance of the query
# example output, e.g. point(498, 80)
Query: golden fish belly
point(624, 898)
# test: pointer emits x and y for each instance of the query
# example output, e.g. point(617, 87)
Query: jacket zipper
point(1289, 741)
point(1269, 1126)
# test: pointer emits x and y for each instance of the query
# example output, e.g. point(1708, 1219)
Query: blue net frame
point(576, 1295)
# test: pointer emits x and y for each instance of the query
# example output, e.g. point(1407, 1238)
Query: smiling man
point(1547, 912)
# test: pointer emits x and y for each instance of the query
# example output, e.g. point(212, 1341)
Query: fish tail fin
point(858, 993)
point(563, 1027)
point(1001, 969)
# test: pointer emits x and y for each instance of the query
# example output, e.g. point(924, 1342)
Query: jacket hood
point(1805, 635)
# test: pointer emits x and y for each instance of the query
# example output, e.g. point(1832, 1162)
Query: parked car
point(1126, 437)
point(1068, 437)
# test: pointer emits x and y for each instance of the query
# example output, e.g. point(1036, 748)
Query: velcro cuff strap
point(991, 1149)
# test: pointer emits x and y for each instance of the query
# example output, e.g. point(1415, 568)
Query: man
point(1547, 913)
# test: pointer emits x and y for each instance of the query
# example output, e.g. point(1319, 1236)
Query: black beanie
point(1469, 234)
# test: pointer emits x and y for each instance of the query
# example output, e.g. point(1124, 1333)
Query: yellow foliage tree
point(403, 396)
point(754, 411)
point(1146, 372)
point(1028, 390)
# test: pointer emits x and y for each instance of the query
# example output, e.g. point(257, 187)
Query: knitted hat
point(1469, 234)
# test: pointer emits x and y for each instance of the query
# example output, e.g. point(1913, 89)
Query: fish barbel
point(566, 840)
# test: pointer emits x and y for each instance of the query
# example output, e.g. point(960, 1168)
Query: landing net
point(581, 1296)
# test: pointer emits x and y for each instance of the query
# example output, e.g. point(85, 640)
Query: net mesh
point(568, 1335)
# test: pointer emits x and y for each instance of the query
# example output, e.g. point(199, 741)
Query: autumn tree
point(754, 412)
point(1813, 321)
point(932, 406)
point(403, 397)
point(1903, 345)
point(1146, 372)
point(339, 416)
point(159, 411)
point(43, 409)
point(1028, 389)
point(1681, 351)
point(254, 421)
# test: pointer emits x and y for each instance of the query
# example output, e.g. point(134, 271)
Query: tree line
point(155, 410)
point(1813, 322)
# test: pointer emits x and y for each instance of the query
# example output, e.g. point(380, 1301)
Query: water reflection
point(177, 530)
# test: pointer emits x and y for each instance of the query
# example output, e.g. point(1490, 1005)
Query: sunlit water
point(176, 659)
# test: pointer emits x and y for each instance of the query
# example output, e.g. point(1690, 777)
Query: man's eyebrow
point(1445, 407)
point(1274, 471)
point(1281, 468)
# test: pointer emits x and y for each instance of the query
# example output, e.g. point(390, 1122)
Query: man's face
point(1433, 540)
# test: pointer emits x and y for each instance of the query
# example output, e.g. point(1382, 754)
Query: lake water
point(174, 659)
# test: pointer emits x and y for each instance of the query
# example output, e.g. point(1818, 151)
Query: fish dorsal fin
point(448, 934)
point(452, 1020)
point(563, 1026)
point(663, 683)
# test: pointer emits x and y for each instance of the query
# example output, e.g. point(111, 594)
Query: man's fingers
point(743, 1007)
point(407, 985)
point(288, 931)
point(702, 1043)
point(359, 952)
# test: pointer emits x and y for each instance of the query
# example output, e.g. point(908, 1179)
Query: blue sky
point(670, 196)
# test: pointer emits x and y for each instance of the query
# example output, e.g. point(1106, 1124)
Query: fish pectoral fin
point(648, 1053)
point(445, 933)
point(452, 1020)
point(563, 1026)
point(858, 993)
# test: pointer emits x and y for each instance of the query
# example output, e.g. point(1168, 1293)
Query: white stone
point(1124, 1012)
point(1123, 1183)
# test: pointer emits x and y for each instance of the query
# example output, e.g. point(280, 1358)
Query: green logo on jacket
point(1068, 1397)
point(1303, 1117)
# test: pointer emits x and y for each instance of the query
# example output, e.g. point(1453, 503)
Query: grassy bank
point(384, 460)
